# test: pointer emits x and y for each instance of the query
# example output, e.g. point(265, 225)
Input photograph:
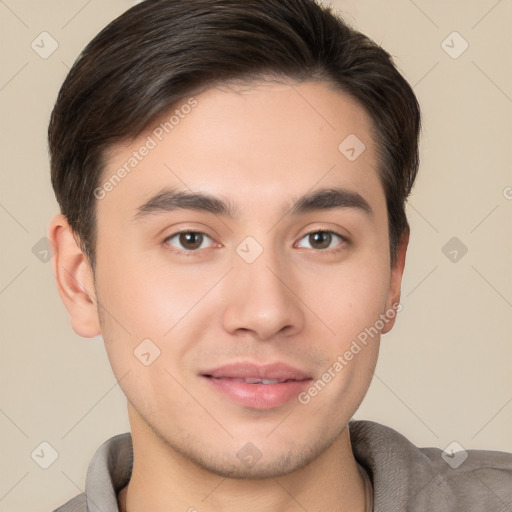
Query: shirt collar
point(388, 458)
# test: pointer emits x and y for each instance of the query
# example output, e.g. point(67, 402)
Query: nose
point(262, 300)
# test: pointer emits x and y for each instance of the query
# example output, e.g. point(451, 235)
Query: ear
point(396, 282)
point(75, 279)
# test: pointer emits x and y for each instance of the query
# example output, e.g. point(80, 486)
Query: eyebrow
point(168, 200)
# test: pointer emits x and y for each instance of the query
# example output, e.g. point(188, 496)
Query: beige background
point(444, 371)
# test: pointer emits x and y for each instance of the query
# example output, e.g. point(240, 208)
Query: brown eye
point(322, 240)
point(187, 240)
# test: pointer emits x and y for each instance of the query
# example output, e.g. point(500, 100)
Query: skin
point(260, 146)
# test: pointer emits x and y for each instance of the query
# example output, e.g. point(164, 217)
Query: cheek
point(348, 298)
point(142, 298)
point(351, 303)
point(151, 310)
point(143, 333)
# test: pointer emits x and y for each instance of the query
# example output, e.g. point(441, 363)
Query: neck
point(164, 480)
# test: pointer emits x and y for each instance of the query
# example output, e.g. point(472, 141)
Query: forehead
point(258, 144)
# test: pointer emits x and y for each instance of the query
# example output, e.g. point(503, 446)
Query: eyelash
point(344, 240)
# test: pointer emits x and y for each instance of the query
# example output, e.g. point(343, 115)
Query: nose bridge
point(262, 299)
point(265, 275)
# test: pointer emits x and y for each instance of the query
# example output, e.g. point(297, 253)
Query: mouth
point(256, 386)
point(253, 380)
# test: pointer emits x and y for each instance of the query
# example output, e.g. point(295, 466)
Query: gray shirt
point(405, 478)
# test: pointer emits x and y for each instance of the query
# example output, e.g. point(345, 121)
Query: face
point(236, 319)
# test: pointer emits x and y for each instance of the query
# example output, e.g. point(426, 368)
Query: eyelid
point(345, 240)
point(185, 251)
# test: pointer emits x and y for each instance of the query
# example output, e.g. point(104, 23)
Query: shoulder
point(109, 471)
point(76, 504)
point(472, 479)
point(429, 477)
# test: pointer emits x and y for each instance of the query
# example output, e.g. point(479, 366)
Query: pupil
point(187, 239)
point(322, 239)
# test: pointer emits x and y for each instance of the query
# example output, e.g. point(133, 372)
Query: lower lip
point(259, 396)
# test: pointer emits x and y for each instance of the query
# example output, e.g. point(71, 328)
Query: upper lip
point(248, 369)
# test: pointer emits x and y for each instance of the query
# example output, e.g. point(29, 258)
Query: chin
point(257, 468)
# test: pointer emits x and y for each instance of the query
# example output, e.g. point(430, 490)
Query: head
point(255, 106)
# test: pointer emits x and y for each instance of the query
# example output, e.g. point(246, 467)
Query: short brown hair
point(158, 51)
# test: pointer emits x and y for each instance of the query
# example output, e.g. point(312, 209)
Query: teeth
point(255, 380)
point(252, 380)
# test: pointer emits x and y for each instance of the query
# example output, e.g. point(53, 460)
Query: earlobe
point(396, 283)
point(74, 277)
